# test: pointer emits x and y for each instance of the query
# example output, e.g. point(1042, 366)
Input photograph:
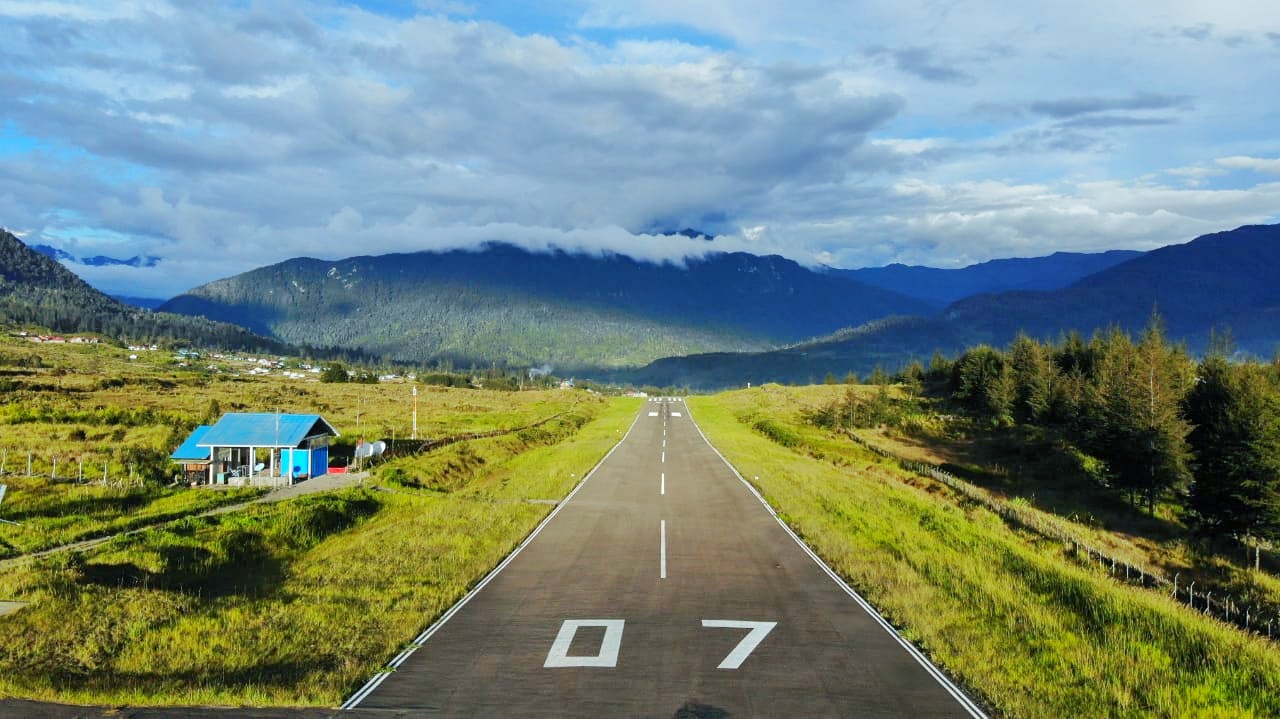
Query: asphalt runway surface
point(662, 587)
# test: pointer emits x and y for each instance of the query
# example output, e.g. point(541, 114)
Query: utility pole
point(415, 412)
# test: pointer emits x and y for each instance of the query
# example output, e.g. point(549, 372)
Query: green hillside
point(36, 290)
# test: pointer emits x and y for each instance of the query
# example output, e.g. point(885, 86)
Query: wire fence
point(69, 467)
point(1260, 619)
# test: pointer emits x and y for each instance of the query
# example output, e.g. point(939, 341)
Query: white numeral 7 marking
point(759, 630)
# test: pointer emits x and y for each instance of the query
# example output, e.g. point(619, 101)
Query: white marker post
point(4, 488)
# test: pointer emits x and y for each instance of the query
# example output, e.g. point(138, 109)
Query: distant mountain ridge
point(944, 286)
point(96, 260)
point(35, 289)
point(572, 310)
point(1224, 280)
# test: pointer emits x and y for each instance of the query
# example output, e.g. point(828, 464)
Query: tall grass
point(57, 513)
point(1033, 634)
point(290, 604)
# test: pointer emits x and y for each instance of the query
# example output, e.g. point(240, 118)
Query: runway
point(663, 587)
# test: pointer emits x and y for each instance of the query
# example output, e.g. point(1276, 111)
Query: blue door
point(319, 461)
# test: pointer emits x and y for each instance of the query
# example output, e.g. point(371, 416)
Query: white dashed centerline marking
point(662, 488)
point(662, 550)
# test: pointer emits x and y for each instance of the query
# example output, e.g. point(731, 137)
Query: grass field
point(1005, 612)
point(85, 411)
point(57, 513)
point(295, 603)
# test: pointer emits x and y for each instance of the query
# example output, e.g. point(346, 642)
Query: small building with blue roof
point(194, 458)
point(258, 448)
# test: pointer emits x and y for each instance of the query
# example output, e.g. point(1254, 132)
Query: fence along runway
point(663, 586)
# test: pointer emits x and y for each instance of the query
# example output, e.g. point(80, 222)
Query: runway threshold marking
point(662, 549)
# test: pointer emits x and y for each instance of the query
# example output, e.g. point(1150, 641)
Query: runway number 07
point(607, 655)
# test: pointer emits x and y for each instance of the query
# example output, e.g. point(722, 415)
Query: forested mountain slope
point(35, 289)
point(506, 304)
point(943, 286)
point(1225, 280)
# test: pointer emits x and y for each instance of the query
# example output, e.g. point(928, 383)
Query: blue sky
point(225, 136)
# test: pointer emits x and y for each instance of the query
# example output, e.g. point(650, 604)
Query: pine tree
point(1236, 413)
point(1133, 411)
point(983, 381)
point(1034, 378)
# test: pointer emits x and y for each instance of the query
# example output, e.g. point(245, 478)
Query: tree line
point(1157, 422)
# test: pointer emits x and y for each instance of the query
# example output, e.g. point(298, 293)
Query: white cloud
point(224, 138)
point(1257, 164)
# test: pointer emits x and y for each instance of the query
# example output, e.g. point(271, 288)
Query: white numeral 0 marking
point(759, 630)
point(608, 656)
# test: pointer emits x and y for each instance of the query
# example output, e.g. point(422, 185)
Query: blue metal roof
point(265, 429)
point(190, 449)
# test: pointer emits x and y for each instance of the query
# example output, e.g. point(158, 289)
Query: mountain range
point(95, 260)
point(1224, 280)
point(717, 320)
point(573, 311)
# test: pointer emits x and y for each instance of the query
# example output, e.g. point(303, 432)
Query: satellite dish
point(364, 450)
point(379, 447)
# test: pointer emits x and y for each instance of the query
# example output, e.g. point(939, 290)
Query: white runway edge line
point(956, 692)
point(354, 700)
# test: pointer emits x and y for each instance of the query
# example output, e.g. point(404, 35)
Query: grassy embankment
point(1036, 472)
point(295, 603)
point(1005, 612)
